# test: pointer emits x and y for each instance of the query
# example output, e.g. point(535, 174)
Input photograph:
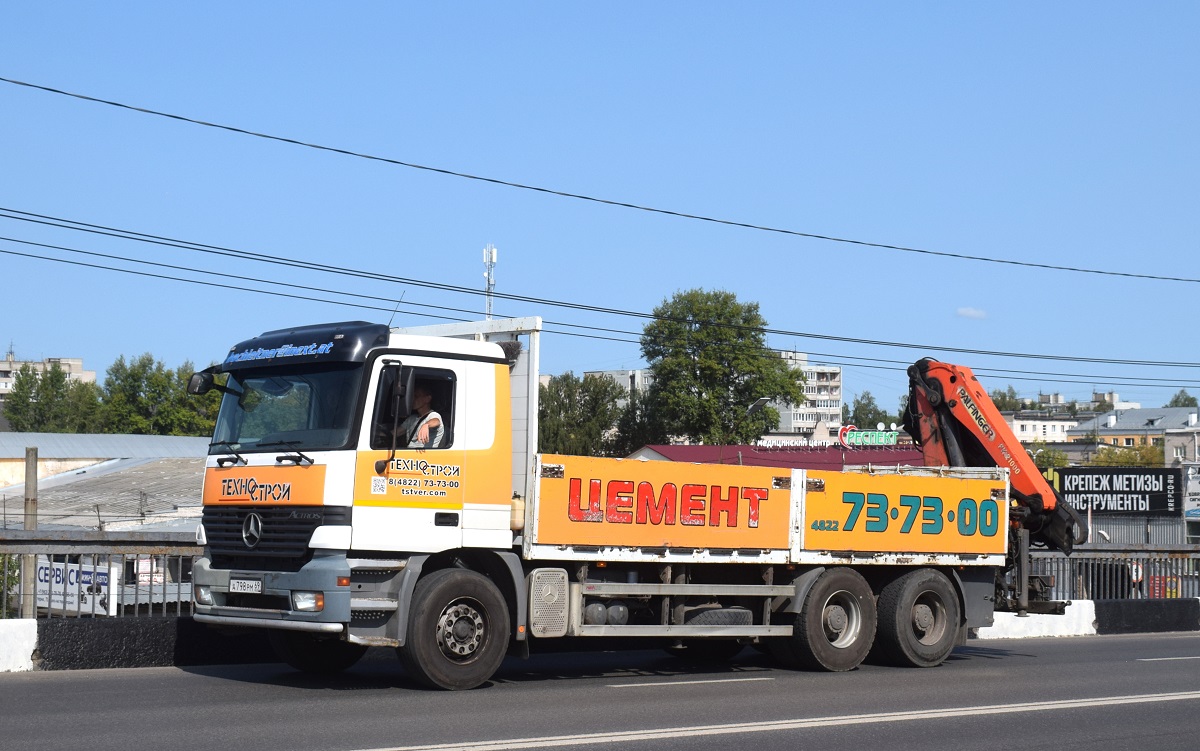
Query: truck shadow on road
point(380, 670)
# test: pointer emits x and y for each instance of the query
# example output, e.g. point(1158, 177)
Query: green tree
point(10, 578)
point(143, 397)
point(1045, 457)
point(49, 402)
point(1182, 399)
point(864, 413)
point(20, 406)
point(1007, 400)
point(578, 416)
point(82, 402)
point(638, 425)
point(1103, 406)
point(52, 399)
point(1129, 456)
point(710, 362)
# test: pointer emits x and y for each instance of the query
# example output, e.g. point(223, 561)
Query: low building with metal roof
point(1134, 427)
point(104, 481)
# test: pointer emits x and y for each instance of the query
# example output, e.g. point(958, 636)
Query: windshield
point(277, 409)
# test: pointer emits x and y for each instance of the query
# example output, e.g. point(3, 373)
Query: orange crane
point(957, 424)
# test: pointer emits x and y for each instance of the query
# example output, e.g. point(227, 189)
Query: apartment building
point(820, 417)
point(10, 366)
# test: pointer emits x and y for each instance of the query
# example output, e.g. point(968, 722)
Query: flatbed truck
point(323, 528)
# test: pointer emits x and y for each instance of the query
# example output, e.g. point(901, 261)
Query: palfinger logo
point(976, 414)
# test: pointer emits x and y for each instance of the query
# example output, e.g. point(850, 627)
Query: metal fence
point(96, 574)
point(1122, 572)
point(114, 574)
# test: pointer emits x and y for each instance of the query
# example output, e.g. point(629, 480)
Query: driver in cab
point(423, 428)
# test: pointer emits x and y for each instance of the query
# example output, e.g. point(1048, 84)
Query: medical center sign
point(851, 437)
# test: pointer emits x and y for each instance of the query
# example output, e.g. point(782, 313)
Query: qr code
point(378, 486)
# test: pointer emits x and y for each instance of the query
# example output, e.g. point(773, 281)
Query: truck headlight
point(201, 537)
point(204, 595)
point(312, 602)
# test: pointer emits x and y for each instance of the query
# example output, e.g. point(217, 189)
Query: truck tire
point(919, 617)
point(312, 654)
point(836, 625)
point(458, 630)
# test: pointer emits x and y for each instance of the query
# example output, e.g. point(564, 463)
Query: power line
point(892, 365)
point(61, 223)
point(240, 277)
point(604, 201)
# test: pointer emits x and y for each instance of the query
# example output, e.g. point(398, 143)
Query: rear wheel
point(313, 654)
point(919, 616)
point(458, 630)
point(835, 626)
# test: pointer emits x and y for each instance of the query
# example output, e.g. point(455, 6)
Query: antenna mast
point(489, 263)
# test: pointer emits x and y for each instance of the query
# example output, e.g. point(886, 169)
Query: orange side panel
point(619, 502)
point(905, 514)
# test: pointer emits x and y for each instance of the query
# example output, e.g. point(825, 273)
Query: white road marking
point(1166, 659)
point(588, 739)
point(685, 683)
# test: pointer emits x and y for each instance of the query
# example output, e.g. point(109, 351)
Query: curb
point(18, 641)
point(130, 642)
point(1091, 617)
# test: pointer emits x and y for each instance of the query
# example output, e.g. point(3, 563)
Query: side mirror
point(400, 389)
point(200, 384)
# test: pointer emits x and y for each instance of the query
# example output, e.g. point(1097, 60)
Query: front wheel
point(919, 617)
point(835, 626)
point(458, 630)
point(312, 654)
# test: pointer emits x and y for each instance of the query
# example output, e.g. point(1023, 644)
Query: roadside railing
point(1121, 573)
point(90, 574)
point(116, 574)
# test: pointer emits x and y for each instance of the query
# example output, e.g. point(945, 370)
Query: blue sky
point(1062, 134)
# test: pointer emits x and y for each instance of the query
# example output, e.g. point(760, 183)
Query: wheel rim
point(461, 629)
point(841, 619)
point(929, 618)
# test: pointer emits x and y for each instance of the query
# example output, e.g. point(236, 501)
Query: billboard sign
point(1123, 490)
point(1191, 505)
point(77, 588)
point(851, 437)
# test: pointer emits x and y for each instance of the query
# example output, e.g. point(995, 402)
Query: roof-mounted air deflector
point(349, 341)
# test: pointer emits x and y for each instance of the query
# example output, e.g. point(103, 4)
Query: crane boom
point(957, 424)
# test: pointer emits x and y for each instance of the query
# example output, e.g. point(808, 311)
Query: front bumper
point(272, 607)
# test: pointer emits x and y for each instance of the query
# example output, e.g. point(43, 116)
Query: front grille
point(285, 534)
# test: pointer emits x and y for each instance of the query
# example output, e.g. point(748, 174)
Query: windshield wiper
point(223, 460)
point(298, 457)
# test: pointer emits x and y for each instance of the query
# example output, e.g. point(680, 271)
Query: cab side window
point(426, 409)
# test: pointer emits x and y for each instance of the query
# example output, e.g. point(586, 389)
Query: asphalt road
point(1128, 692)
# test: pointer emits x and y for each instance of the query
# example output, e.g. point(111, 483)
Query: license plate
point(246, 586)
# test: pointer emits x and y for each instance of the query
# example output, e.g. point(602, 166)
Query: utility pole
point(29, 562)
point(489, 263)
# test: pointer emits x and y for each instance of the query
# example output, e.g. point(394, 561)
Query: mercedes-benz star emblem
point(252, 529)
